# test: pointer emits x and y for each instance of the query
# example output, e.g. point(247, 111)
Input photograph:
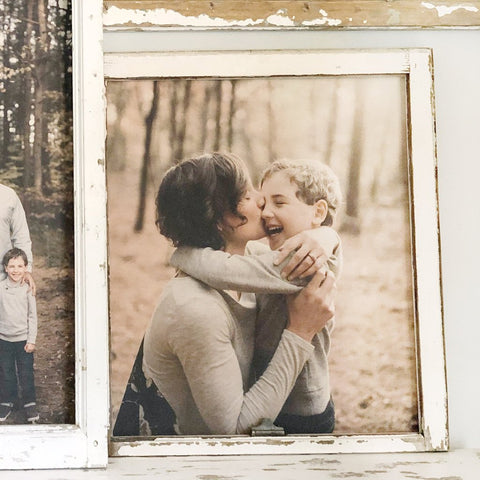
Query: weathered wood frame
point(416, 65)
point(290, 14)
point(85, 443)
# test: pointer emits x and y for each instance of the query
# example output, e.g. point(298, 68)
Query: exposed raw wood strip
point(327, 14)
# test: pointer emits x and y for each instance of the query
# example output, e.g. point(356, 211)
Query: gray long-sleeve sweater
point(198, 350)
point(257, 273)
point(18, 312)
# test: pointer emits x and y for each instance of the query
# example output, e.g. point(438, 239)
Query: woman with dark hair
point(199, 345)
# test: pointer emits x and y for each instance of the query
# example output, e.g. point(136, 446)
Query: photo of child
point(18, 333)
point(37, 208)
point(352, 132)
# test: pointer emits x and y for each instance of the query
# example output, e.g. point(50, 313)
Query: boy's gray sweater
point(18, 312)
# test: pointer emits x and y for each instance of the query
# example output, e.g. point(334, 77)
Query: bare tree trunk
point(231, 115)
point(313, 124)
point(183, 121)
point(149, 120)
point(39, 76)
point(204, 117)
point(272, 131)
point(116, 143)
point(46, 168)
point(218, 115)
point(173, 121)
point(27, 147)
point(332, 122)
point(384, 144)
point(37, 138)
point(6, 137)
point(352, 221)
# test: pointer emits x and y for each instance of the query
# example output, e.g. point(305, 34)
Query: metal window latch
point(266, 428)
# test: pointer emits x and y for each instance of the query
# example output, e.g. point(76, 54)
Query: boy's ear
point(321, 212)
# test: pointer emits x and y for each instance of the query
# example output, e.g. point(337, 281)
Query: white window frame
point(416, 64)
point(84, 444)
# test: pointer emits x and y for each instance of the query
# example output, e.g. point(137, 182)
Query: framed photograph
point(369, 116)
point(52, 189)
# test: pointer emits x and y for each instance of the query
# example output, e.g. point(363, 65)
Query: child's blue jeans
point(15, 360)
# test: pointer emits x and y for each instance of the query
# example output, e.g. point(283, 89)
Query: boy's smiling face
point(16, 269)
point(284, 214)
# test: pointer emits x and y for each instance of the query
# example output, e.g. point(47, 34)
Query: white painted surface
point(255, 63)
point(91, 292)
point(432, 388)
point(458, 465)
point(457, 77)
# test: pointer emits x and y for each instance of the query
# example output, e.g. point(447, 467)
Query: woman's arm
point(202, 343)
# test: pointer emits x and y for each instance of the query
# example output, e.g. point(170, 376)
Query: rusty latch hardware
point(266, 428)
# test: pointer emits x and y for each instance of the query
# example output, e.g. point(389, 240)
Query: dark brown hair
point(195, 194)
point(14, 253)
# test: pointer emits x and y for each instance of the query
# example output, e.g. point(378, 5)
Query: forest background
point(36, 160)
point(357, 125)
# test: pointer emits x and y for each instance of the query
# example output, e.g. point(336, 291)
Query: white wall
point(457, 89)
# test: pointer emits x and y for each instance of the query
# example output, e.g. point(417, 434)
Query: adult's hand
point(31, 283)
point(29, 347)
point(311, 309)
point(312, 250)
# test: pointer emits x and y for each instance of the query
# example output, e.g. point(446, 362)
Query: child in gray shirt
point(18, 331)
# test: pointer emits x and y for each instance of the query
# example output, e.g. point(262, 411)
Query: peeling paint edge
point(161, 17)
point(443, 10)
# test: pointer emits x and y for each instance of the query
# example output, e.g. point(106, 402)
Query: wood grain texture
point(455, 465)
point(327, 14)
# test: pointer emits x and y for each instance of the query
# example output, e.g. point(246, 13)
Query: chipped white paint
point(163, 17)
point(116, 16)
point(324, 20)
point(429, 295)
point(457, 465)
point(432, 387)
point(289, 445)
point(443, 10)
point(280, 19)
